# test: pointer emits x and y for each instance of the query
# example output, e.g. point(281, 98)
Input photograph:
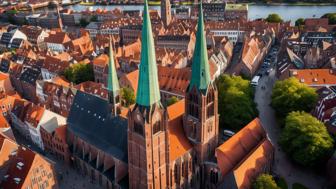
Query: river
point(287, 12)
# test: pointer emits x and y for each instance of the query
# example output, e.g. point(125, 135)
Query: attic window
point(17, 180)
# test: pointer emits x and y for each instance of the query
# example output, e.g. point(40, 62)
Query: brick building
point(153, 146)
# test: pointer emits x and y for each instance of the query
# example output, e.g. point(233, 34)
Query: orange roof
point(178, 142)
point(253, 165)
point(315, 77)
point(3, 76)
point(132, 79)
point(3, 122)
point(101, 60)
point(34, 115)
point(234, 150)
point(7, 147)
point(59, 80)
point(173, 79)
point(93, 88)
point(24, 156)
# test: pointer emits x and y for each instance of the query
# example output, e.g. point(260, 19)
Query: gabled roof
point(148, 92)
point(200, 74)
point(90, 119)
point(235, 150)
point(178, 142)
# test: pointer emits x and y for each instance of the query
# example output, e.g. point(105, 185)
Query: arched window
point(138, 129)
point(156, 127)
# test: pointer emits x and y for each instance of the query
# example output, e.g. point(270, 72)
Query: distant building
point(236, 12)
point(214, 11)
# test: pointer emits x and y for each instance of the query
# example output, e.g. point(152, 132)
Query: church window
point(138, 128)
point(156, 127)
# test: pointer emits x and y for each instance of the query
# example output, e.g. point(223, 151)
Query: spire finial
point(200, 75)
point(148, 92)
point(112, 81)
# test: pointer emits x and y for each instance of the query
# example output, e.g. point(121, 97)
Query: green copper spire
point(112, 80)
point(148, 91)
point(200, 75)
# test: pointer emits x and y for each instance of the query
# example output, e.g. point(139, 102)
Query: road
point(282, 165)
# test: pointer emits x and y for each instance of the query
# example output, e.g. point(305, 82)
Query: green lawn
point(282, 183)
point(298, 186)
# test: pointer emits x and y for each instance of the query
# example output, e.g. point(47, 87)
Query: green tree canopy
point(83, 22)
point(291, 95)
point(235, 102)
point(299, 22)
point(265, 181)
point(78, 73)
point(172, 100)
point(305, 139)
point(94, 18)
point(127, 96)
point(331, 17)
point(274, 18)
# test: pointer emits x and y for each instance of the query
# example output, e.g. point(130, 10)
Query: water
point(291, 13)
point(288, 13)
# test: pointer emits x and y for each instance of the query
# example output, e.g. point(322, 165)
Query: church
point(149, 145)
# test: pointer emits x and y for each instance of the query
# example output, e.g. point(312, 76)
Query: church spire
point(148, 92)
point(112, 81)
point(200, 75)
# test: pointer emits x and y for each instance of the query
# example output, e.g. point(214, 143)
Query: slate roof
point(90, 119)
point(4, 65)
point(16, 43)
point(5, 38)
point(30, 75)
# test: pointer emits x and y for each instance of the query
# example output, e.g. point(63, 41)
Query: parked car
point(228, 133)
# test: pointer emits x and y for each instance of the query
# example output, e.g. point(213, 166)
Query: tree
point(172, 100)
point(274, 18)
point(10, 16)
point(83, 22)
point(331, 18)
point(128, 97)
point(305, 139)
point(78, 73)
point(291, 95)
point(235, 102)
point(299, 22)
point(265, 181)
point(94, 18)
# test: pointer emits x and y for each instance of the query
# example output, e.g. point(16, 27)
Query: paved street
point(283, 166)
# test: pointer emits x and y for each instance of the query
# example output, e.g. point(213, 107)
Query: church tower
point(147, 121)
point(165, 12)
point(201, 117)
point(113, 88)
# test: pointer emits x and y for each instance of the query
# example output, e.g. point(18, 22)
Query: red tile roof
point(240, 145)
point(26, 157)
point(315, 77)
point(178, 142)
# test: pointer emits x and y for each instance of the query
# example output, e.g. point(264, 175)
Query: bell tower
point(147, 121)
point(166, 12)
point(201, 98)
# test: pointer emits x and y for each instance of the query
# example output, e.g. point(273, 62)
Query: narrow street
point(282, 165)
